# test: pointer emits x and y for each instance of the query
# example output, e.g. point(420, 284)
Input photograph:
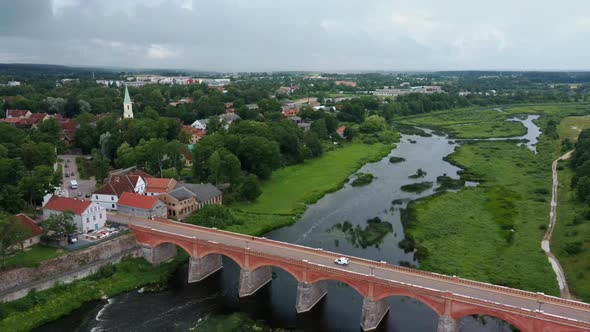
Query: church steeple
point(127, 106)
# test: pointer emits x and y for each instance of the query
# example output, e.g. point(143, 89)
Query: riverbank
point(300, 185)
point(285, 196)
point(39, 308)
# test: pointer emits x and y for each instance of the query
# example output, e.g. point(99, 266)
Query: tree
point(126, 156)
point(213, 216)
point(250, 189)
point(12, 233)
point(259, 155)
point(84, 106)
point(319, 127)
point(214, 165)
point(59, 225)
point(55, 105)
point(583, 188)
point(373, 124)
point(349, 133)
point(100, 166)
point(313, 143)
point(37, 183)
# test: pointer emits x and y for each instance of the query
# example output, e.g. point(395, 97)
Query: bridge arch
point(180, 244)
point(435, 304)
point(237, 258)
point(522, 323)
point(360, 287)
point(295, 272)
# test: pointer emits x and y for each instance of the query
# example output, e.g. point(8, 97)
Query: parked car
point(67, 166)
point(87, 195)
point(79, 194)
point(342, 261)
point(67, 175)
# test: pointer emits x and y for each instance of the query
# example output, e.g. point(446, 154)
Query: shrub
point(573, 248)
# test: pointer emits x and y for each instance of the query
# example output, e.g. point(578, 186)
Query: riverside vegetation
point(492, 232)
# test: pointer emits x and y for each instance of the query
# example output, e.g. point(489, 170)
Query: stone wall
point(16, 283)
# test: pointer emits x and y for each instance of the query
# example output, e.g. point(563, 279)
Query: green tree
point(259, 155)
point(58, 226)
point(12, 233)
point(313, 143)
point(213, 216)
point(373, 124)
point(319, 127)
point(250, 189)
point(100, 166)
point(214, 165)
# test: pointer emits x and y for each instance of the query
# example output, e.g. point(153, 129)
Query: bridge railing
point(539, 297)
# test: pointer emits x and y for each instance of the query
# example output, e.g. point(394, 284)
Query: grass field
point(571, 126)
point(31, 257)
point(289, 189)
point(572, 228)
point(469, 123)
point(469, 233)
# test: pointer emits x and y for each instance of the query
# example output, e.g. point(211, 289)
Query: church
point(127, 106)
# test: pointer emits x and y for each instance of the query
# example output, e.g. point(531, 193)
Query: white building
point(127, 106)
point(200, 124)
point(108, 195)
point(87, 215)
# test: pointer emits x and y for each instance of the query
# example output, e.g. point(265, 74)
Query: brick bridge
point(450, 297)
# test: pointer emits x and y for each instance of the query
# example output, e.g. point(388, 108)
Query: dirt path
point(545, 244)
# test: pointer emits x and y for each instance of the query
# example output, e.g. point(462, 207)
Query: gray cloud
point(253, 35)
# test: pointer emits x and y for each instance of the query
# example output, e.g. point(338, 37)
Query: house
point(32, 226)
point(196, 134)
point(141, 205)
point(108, 195)
point(340, 131)
point(295, 119)
point(88, 215)
point(200, 124)
point(187, 198)
point(351, 84)
point(304, 125)
point(252, 106)
point(20, 114)
point(181, 101)
point(229, 118)
point(290, 112)
point(205, 193)
point(158, 186)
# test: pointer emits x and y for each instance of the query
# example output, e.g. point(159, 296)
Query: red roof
point(157, 185)
point(16, 113)
point(29, 224)
point(11, 120)
point(137, 201)
point(118, 185)
point(38, 116)
point(341, 129)
point(194, 131)
point(67, 124)
point(63, 204)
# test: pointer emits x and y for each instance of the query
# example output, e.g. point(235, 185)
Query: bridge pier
point(446, 323)
point(309, 295)
point(201, 268)
point(251, 281)
point(373, 313)
point(160, 254)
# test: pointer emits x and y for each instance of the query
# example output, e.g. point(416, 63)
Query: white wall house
point(87, 215)
point(108, 195)
point(200, 124)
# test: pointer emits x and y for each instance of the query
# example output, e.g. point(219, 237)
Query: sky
point(307, 35)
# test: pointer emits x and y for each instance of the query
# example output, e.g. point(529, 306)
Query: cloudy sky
point(330, 35)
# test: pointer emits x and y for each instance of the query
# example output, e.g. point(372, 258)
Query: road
point(466, 288)
point(546, 242)
point(84, 186)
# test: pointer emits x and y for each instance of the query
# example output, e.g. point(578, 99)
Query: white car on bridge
point(342, 261)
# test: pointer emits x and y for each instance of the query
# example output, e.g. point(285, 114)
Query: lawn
point(571, 126)
point(469, 123)
point(469, 233)
point(572, 227)
point(291, 188)
point(31, 257)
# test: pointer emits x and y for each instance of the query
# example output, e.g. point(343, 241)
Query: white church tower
point(127, 106)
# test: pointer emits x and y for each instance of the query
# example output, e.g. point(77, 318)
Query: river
point(337, 222)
